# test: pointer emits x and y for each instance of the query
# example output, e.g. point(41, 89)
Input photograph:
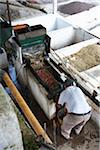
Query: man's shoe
point(66, 137)
point(70, 138)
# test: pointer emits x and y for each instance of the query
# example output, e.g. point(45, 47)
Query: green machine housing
point(5, 32)
point(31, 36)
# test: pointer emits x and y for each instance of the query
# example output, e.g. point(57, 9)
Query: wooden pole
point(25, 109)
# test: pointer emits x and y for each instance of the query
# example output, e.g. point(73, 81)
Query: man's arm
point(61, 112)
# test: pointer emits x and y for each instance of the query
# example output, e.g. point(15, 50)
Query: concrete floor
point(87, 140)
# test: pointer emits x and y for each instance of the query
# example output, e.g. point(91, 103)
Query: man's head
point(68, 82)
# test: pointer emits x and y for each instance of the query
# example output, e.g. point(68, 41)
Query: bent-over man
point(78, 110)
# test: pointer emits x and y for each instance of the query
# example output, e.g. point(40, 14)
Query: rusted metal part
point(47, 78)
point(18, 27)
point(44, 75)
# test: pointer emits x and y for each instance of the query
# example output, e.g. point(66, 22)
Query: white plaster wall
point(50, 21)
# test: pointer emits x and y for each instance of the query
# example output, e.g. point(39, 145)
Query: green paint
point(32, 41)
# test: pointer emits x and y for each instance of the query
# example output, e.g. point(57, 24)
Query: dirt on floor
point(86, 58)
point(88, 139)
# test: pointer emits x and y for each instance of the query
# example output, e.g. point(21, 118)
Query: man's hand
point(61, 113)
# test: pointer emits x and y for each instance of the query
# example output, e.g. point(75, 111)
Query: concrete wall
point(10, 135)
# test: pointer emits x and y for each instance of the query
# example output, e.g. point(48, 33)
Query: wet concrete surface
point(74, 7)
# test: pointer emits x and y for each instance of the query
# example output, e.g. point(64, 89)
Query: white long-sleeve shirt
point(75, 100)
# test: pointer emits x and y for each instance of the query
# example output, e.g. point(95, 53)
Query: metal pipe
point(25, 109)
point(54, 6)
point(20, 55)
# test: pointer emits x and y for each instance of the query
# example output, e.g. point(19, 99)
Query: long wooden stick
point(25, 109)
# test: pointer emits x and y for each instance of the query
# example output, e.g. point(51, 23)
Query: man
point(77, 108)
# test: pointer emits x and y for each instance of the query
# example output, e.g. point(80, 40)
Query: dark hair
point(68, 82)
